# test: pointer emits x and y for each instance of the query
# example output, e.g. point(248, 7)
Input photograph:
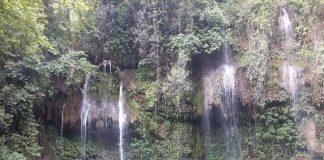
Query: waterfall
point(62, 119)
point(229, 86)
point(105, 65)
point(289, 75)
point(121, 120)
point(84, 116)
point(206, 114)
point(290, 80)
point(232, 138)
point(286, 27)
point(226, 52)
point(62, 130)
point(109, 63)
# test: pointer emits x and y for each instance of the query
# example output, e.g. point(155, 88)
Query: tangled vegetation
point(47, 48)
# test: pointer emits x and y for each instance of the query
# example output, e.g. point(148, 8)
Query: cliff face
point(263, 97)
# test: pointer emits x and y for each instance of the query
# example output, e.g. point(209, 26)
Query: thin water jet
point(62, 120)
point(109, 63)
point(226, 52)
point(84, 116)
point(121, 120)
point(105, 62)
point(62, 131)
point(207, 108)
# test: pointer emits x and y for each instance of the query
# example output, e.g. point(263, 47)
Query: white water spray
point(109, 63)
point(232, 138)
point(105, 62)
point(289, 75)
point(121, 120)
point(208, 90)
point(229, 85)
point(290, 80)
point(286, 27)
point(84, 116)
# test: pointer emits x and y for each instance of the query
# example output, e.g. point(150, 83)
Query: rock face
point(311, 135)
point(244, 88)
point(100, 113)
point(72, 110)
point(212, 84)
point(128, 78)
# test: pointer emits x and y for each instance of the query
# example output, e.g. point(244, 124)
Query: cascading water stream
point(109, 63)
point(225, 50)
point(232, 138)
point(290, 80)
point(286, 26)
point(62, 131)
point(105, 62)
point(62, 119)
point(121, 120)
point(289, 76)
point(84, 116)
point(206, 116)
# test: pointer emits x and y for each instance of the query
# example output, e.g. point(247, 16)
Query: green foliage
point(164, 43)
point(307, 10)
point(21, 27)
point(145, 73)
point(142, 149)
point(18, 103)
point(185, 43)
point(71, 145)
point(256, 61)
point(251, 21)
point(113, 34)
point(5, 120)
point(69, 23)
point(214, 146)
point(26, 73)
point(147, 125)
point(150, 95)
point(71, 66)
point(276, 132)
point(144, 96)
point(44, 40)
point(175, 146)
point(177, 85)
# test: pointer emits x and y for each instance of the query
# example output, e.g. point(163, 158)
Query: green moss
point(197, 144)
point(71, 146)
point(277, 64)
point(103, 86)
point(198, 101)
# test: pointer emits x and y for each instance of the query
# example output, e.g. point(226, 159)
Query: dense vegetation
point(47, 48)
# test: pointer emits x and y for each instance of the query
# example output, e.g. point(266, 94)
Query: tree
point(28, 60)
